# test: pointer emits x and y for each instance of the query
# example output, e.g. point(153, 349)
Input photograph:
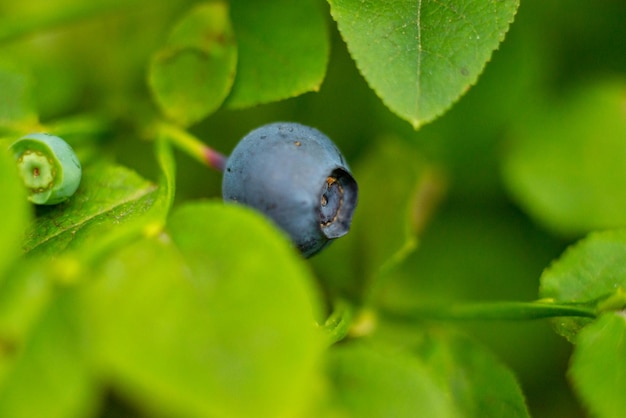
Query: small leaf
point(479, 384)
point(15, 211)
point(421, 56)
point(370, 381)
point(283, 50)
point(49, 376)
point(598, 364)
point(192, 75)
point(108, 195)
point(196, 330)
point(566, 164)
point(593, 268)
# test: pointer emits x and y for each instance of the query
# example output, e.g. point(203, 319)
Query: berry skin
point(296, 176)
point(48, 166)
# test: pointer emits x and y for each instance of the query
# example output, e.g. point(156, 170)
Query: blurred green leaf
point(108, 195)
point(566, 163)
point(16, 97)
point(371, 381)
point(24, 295)
point(49, 376)
point(593, 268)
point(192, 75)
point(15, 211)
point(283, 50)
point(421, 56)
point(27, 17)
point(598, 363)
point(196, 329)
point(479, 384)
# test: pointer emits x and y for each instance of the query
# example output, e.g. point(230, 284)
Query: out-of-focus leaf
point(16, 97)
point(27, 17)
point(197, 330)
point(598, 364)
point(478, 383)
point(593, 268)
point(192, 75)
point(370, 381)
point(108, 195)
point(49, 376)
point(565, 165)
point(283, 50)
point(24, 295)
point(421, 56)
point(15, 211)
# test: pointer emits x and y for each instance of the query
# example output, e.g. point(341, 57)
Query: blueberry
point(297, 177)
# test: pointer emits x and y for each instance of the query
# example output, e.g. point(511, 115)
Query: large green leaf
point(49, 376)
point(565, 165)
point(598, 364)
point(420, 56)
point(108, 195)
point(283, 50)
point(370, 381)
point(195, 328)
point(192, 75)
point(478, 383)
point(594, 268)
point(15, 211)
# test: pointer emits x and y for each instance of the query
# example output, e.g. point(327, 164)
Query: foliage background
point(479, 237)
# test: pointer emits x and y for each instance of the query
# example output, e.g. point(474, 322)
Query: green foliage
point(108, 195)
point(566, 162)
point(598, 364)
point(278, 42)
point(144, 295)
point(14, 214)
point(192, 75)
point(421, 56)
point(373, 382)
point(593, 271)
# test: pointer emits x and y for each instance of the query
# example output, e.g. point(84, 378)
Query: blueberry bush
point(484, 272)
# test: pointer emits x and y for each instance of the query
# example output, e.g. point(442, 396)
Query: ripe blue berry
point(295, 175)
point(48, 166)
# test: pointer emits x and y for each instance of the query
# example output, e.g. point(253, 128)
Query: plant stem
point(193, 146)
point(508, 311)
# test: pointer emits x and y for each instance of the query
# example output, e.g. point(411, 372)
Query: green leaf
point(397, 191)
point(24, 295)
point(196, 329)
point(16, 97)
point(15, 211)
point(49, 376)
point(108, 195)
point(421, 56)
point(566, 164)
point(592, 269)
point(28, 19)
point(371, 381)
point(192, 75)
point(598, 363)
point(478, 383)
point(283, 50)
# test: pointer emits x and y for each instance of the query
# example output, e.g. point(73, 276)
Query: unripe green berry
point(48, 166)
